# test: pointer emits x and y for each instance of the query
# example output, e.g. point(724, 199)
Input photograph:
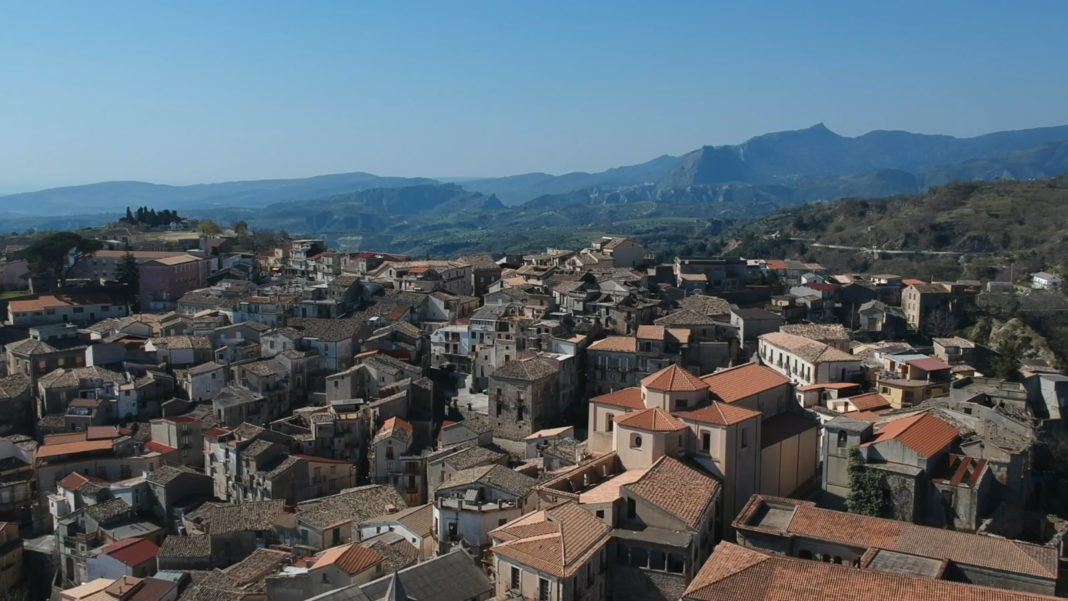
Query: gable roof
point(557, 541)
point(720, 414)
point(653, 419)
point(810, 350)
point(803, 519)
point(449, 577)
point(615, 344)
point(629, 398)
point(352, 558)
point(351, 505)
point(131, 551)
point(526, 368)
point(869, 401)
point(734, 573)
point(923, 433)
point(673, 379)
point(677, 489)
point(493, 476)
point(743, 381)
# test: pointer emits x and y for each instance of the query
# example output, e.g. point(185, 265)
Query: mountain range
point(763, 174)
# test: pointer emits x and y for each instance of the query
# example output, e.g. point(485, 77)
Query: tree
point(129, 278)
point(240, 228)
point(866, 494)
point(56, 254)
point(940, 323)
point(1006, 363)
point(208, 228)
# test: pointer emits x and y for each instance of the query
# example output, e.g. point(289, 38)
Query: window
point(389, 452)
point(514, 582)
point(842, 438)
point(636, 441)
point(609, 422)
point(600, 514)
point(745, 438)
point(543, 589)
point(706, 441)
point(632, 508)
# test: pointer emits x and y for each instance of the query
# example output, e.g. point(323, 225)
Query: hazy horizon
point(186, 94)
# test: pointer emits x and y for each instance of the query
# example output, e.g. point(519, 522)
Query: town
point(189, 416)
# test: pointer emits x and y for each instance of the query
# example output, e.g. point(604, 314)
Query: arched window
point(635, 441)
point(842, 439)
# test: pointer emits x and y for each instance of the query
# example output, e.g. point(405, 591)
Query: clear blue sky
point(187, 92)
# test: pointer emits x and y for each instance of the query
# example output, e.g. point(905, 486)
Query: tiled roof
point(109, 510)
point(394, 426)
point(926, 288)
point(472, 457)
point(449, 577)
point(706, 305)
point(734, 573)
point(736, 383)
point(352, 505)
point(677, 489)
point(923, 433)
point(630, 398)
point(73, 481)
point(220, 518)
point(192, 545)
point(654, 419)
point(817, 331)
point(615, 344)
point(527, 368)
point(14, 385)
point(651, 332)
point(166, 473)
point(989, 552)
point(353, 558)
point(132, 551)
point(257, 565)
point(810, 350)
point(685, 317)
point(329, 330)
point(929, 364)
point(557, 541)
point(493, 476)
point(71, 448)
point(45, 301)
point(869, 402)
point(674, 379)
point(721, 414)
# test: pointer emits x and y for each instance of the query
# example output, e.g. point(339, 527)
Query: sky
point(199, 91)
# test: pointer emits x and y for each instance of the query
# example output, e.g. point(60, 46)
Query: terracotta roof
point(159, 447)
point(923, 433)
point(828, 386)
point(70, 448)
point(132, 551)
point(74, 480)
point(810, 350)
point(677, 489)
point(929, 364)
point(817, 331)
point(557, 541)
point(673, 378)
point(47, 301)
point(736, 383)
point(615, 344)
point(722, 414)
point(630, 398)
point(352, 558)
point(990, 552)
point(651, 332)
point(734, 573)
point(651, 420)
point(776, 264)
point(869, 402)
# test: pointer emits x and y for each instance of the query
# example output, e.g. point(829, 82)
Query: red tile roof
point(101, 432)
point(651, 420)
point(776, 264)
point(677, 489)
point(557, 541)
point(615, 344)
point(74, 480)
point(630, 398)
point(395, 422)
point(741, 382)
point(673, 379)
point(734, 573)
point(353, 558)
point(869, 402)
point(132, 551)
point(213, 432)
point(722, 414)
point(71, 448)
point(651, 332)
point(929, 364)
point(158, 447)
point(923, 433)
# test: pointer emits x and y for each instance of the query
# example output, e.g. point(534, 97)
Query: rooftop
point(351, 505)
point(810, 350)
point(923, 433)
point(492, 476)
point(673, 379)
point(630, 398)
point(654, 419)
point(736, 383)
point(677, 489)
point(557, 541)
point(722, 414)
point(615, 344)
point(353, 558)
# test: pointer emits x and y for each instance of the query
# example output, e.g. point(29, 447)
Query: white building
point(806, 361)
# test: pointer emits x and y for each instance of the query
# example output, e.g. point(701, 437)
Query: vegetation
point(56, 254)
point(866, 493)
point(208, 227)
point(149, 217)
point(129, 278)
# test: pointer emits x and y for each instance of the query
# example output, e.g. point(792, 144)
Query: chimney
point(391, 508)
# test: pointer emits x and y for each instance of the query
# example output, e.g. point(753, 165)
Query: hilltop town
point(210, 416)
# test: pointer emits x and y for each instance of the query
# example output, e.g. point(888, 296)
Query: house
point(617, 362)
point(734, 573)
point(921, 302)
point(800, 529)
point(955, 350)
point(128, 557)
point(752, 323)
point(525, 396)
point(831, 334)
point(415, 524)
point(175, 488)
point(806, 361)
point(1044, 280)
point(449, 577)
point(183, 434)
point(202, 382)
point(16, 404)
point(232, 531)
point(475, 500)
point(554, 554)
point(41, 309)
point(334, 520)
point(162, 281)
point(710, 273)
point(877, 318)
point(334, 568)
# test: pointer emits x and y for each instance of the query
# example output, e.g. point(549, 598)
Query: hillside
point(980, 226)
